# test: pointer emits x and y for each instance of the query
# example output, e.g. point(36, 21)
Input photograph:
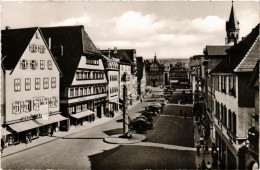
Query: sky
point(172, 29)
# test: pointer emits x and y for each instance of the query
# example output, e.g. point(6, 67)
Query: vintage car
point(141, 125)
point(147, 117)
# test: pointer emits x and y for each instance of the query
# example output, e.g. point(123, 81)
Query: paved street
point(168, 145)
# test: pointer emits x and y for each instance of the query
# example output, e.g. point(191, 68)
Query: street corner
point(115, 139)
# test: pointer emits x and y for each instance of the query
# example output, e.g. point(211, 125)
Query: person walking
point(203, 164)
point(2, 145)
point(198, 148)
point(208, 166)
point(181, 112)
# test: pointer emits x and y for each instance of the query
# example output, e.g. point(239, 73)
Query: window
point(78, 108)
point(33, 64)
point(27, 84)
point(49, 64)
point(71, 92)
point(24, 64)
point(85, 91)
point(229, 119)
point(45, 83)
point(37, 35)
point(234, 123)
point(36, 104)
point(27, 106)
point(84, 107)
point(42, 64)
point(71, 110)
point(76, 92)
point(53, 82)
point(41, 48)
point(33, 48)
point(53, 102)
point(16, 107)
point(17, 84)
point(81, 91)
point(77, 75)
point(37, 83)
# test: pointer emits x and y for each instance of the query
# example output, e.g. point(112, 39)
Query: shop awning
point(57, 118)
point(4, 132)
point(23, 126)
point(52, 119)
point(82, 114)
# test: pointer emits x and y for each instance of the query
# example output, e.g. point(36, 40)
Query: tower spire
point(155, 56)
point(232, 27)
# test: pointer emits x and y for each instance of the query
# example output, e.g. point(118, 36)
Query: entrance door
point(99, 111)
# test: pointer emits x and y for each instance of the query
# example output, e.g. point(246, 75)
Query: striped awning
point(82, 114)
point(23, 126)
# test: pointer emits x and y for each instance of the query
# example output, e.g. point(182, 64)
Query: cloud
point(84, 20)
point(209, 24)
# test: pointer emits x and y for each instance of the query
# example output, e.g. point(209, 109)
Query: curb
point(114, 139)
point(51, 140)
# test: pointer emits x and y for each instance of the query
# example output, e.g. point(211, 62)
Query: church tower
point(232, 28)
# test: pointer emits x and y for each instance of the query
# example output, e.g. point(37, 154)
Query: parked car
point(141, 125)
point(147, 117)
point(148, 114)
point(154, 108)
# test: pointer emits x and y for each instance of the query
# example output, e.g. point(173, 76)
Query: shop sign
point(32, 116)
point(44, 110)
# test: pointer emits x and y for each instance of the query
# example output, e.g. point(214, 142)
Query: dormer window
point(24, 64)
point(33, 64)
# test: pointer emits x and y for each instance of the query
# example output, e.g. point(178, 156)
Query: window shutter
point(14, 107)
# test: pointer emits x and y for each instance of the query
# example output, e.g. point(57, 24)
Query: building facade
point(83, 84)
point(31, 90)
point(155, 73)
point(141, 76)
point(231, 119)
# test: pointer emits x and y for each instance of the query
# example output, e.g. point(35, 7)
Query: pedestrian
point(201, 140)
point(185, 115)
point(181, 112)
point(198, 148)
point(51, 133)
point(203, 164)
point(206, 148)
point(209, 166)
point(2, 145)
point(30, 137)
point(199, 167)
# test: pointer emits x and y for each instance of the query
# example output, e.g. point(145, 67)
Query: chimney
point(50, 43)
point(7, 27)
point(109, 52)
point(115, 50)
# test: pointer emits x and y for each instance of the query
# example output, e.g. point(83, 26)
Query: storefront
point(24, 131)
point(53, 124)
point(80, 118)
point(6, 136)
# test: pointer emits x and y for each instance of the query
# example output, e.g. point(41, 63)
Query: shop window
point(42, 64)
point(33, 64)
point(71, 110)
point(27, 84)
point(17, 84)
point(16, 107)
point(37, 83)
point(78, 108)
point(24, 64)
point(84, 107)
point(53, 82)
point(45, 83)
point(49, 63)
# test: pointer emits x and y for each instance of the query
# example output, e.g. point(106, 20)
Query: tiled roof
point(120, 54)
point(251, 58)
point(216, 50)
point(237, 53)
point(254, 78)
point(14, 43)
point(75, 42)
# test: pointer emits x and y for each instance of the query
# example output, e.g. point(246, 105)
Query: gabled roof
point(254, 78)
point(251, 58)
point(14, 43)
point(237, 53)
point(216, 50)
point(75, 42)
point(120, 54)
